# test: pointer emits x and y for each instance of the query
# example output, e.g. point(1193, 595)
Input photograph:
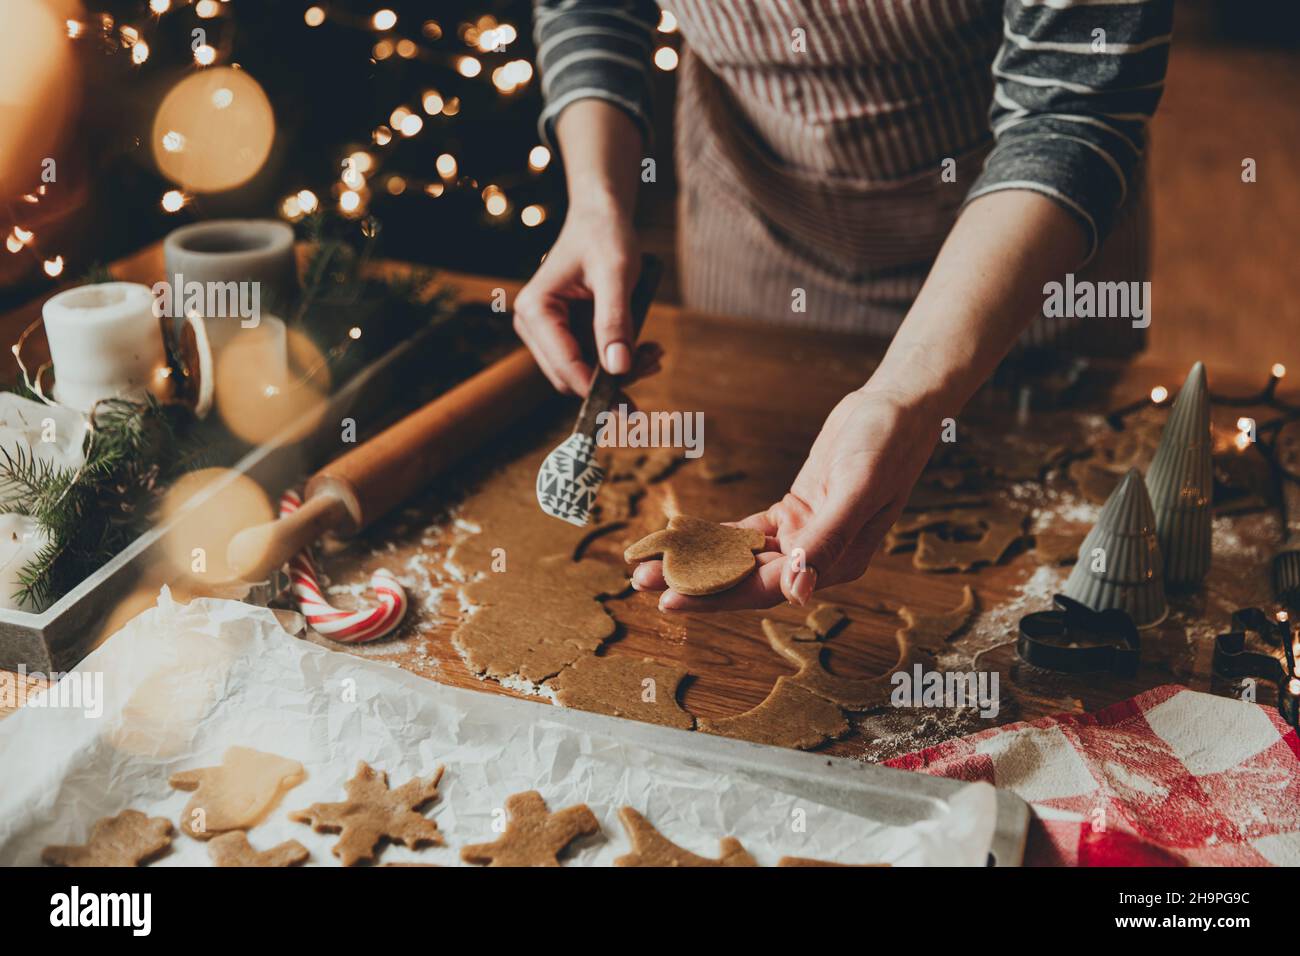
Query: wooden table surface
point(764, 392)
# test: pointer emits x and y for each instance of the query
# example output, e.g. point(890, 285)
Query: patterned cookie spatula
point(570, 476)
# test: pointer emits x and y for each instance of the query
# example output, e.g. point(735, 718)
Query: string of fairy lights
point(480, 51)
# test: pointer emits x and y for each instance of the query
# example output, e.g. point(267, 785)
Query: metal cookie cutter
point(1075, 639)
point(1232, 659)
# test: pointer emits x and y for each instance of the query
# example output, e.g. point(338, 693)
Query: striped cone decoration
point(1181, 483)
point(347, 627)
point(1119, 563)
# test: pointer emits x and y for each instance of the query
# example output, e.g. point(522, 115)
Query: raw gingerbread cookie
point(825, 620)
point(643, 465)
point(1115, 452)
point(930, 632)
point(233, 849)
point(821, 623)
point(805, 861)
point(700, 557)
point(720, 463)
point(903, 533)
point(1095, 480)
point(537, 617)
point(1059, 547)
point(534, 836)
point(849, 693)
point(1001, 531)
point(790, 716)
point(623, 686)
point(652, 848)
point(236, 794)
point(373, 813)
point(504, 511)
point(128, 839)
point(940, 499)
point(617, 500)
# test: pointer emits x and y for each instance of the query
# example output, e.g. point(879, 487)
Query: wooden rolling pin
point(366, 483)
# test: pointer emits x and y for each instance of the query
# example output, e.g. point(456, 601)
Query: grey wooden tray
point(60, 636)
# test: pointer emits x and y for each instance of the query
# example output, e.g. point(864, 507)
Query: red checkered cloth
point(1171, 777)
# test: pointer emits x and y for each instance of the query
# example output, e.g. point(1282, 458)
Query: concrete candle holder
point(1119, 564)
point(1181, 484)
point(234, 250)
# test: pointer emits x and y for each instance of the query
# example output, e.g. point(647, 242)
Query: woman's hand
point(826, 529)
point(595, 258)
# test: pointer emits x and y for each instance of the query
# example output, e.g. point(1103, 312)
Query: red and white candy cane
point(348, 627)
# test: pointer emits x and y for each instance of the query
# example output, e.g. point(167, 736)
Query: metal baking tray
point(870, 791)
point(60, 636)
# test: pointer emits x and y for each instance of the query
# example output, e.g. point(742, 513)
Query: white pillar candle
point(105, 342)
point(21, 539)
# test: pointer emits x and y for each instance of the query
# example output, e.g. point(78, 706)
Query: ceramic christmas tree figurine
point(1119, 563)
point(1181, 482)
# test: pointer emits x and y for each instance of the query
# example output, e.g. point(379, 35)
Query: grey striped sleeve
point(594, 49)
point(1075, 83)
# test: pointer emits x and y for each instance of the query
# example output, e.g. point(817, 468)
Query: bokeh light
point(38, 78)
point(224, 145)
point(205, 509)
point(260, 396)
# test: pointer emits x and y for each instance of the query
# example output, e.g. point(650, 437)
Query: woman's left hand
point(826, 529)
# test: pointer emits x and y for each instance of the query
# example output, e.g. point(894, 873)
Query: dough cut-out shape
point(233, 849)
point(533, 620)
point(823, 621)
point(930, 632)
point(237, 793)
point(373, 813)
point(790, 716)
point(925, 498)
point(534, 836)
point(1001, 531)
point(1022, 460)
point(1059, 547)
point(806, 861)
point(903, 533)
point(617, 500)
point(700, 557)
point(623, 686)
point(856, 694)
point(1115, 452)
point(720, 463)
point(652, 848)
point(128, 839)
point(643, 465)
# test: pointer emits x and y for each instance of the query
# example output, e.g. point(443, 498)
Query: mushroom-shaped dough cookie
point(700, 557)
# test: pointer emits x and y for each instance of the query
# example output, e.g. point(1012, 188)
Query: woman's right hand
point(594, 259)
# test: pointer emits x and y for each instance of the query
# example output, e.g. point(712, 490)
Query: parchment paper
point(181, 683)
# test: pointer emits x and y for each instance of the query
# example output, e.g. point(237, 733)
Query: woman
point(838, 155)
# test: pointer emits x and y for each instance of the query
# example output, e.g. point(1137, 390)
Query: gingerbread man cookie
point(128, 839)
point(534, 836)
point(652, 848)
point(373, 813)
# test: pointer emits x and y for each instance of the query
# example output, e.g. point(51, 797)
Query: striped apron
point(811, 135)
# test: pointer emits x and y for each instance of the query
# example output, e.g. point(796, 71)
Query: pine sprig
point(92, 512)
